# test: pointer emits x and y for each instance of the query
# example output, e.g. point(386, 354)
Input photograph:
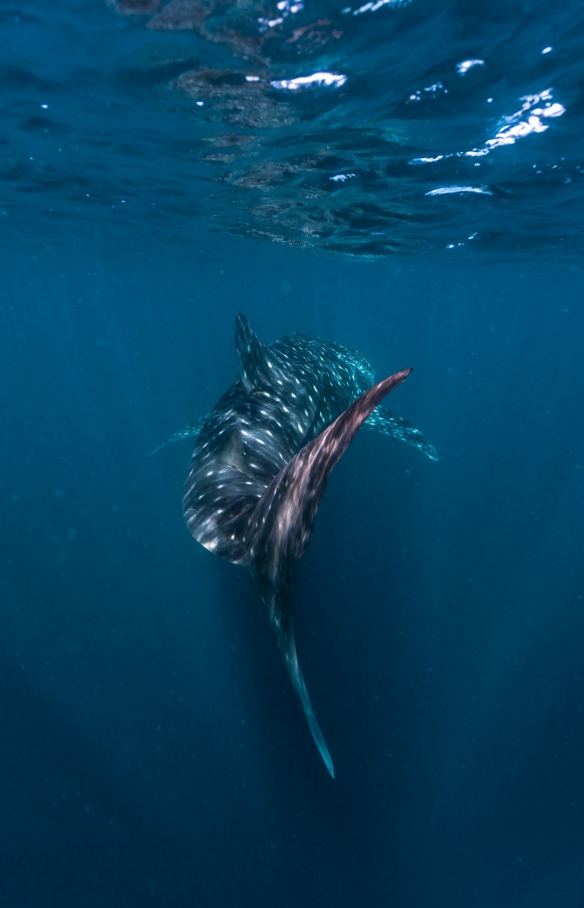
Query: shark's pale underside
point(263, 458)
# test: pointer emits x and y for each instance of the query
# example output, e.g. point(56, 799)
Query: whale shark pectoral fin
point(282, 524)
point(232, 454)
point(400, 430)
point(190, 431)
point(255, 361)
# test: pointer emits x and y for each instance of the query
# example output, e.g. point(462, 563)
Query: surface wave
point(364, 130)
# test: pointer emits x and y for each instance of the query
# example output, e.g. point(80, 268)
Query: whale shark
point(263, 457)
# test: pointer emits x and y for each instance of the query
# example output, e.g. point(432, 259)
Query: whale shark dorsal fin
point(232, 454)
point(256, 363)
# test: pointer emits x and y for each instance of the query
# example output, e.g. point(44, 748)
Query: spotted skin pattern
point(383, 420)
point(263, 457)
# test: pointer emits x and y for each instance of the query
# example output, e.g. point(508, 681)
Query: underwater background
point(402, 178)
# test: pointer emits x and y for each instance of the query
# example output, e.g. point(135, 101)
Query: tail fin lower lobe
point(283, 522)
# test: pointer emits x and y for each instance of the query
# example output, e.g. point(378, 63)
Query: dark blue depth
point(153, 754)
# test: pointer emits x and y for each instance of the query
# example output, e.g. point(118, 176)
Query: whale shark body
point(263, 458)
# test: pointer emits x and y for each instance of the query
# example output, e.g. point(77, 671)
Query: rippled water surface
point(369, 130)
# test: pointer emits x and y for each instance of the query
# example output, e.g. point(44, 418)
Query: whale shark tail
point(282, 524)
point(279, 607)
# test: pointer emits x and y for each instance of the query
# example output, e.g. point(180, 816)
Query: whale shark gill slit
point(232, 454)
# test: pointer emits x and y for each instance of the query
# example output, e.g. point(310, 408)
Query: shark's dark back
point(285, 396)
point(334, 374)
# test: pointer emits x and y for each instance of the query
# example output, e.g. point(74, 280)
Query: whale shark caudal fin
point(279, 605)
point(283, 522)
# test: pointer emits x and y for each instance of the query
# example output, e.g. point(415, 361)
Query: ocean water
point(402, 178)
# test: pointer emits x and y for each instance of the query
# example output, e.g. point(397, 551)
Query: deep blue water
point(152, 751)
